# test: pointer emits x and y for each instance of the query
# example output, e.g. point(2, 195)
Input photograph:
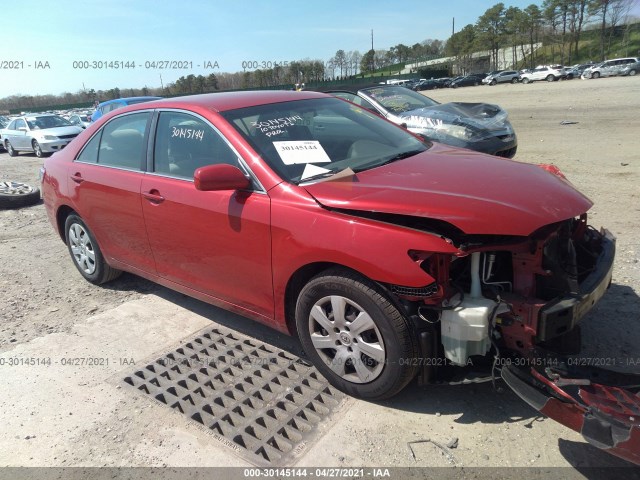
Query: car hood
point(477, 193)
point(58, 131)
point(482, 116)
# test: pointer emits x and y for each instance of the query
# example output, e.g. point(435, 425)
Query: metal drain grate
point(263, 402)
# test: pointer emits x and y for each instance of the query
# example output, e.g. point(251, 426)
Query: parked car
point(110, 105)
point(550, 73)
point(431, 84)
point(576, 70)
point(630, 69)
point(82, 121)
point(4, 122)
point(325, 221)
point(478, 126)
point(508, 76)
point(466, 81)
point(609, 68)
point(40, 134)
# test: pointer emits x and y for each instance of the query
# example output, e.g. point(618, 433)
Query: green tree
point(490, 31)
point(367, 63)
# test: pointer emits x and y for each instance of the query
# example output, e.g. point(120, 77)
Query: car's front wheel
point(355, 336)
point(595, 75)
point(37, 149)
point(85, 252)
point(10, 150)
point(525, 80)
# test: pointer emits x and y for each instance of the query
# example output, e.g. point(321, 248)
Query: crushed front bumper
point(602, 405)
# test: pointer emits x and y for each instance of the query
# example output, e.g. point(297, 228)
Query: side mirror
point(220, 177)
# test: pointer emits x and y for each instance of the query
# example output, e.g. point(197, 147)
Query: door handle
point(77, 177)
point(153, 196)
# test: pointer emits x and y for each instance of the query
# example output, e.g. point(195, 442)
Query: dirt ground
point(60, 418)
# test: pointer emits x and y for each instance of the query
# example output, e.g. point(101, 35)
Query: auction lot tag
point(304, 151)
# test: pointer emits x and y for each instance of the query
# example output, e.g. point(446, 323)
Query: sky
point(47, 44)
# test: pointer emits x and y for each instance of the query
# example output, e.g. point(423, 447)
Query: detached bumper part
point(607, 416)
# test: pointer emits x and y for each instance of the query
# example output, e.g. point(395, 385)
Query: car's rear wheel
point(37, 149)
point(355, 336)
point(632, 73)
point(10, 150)
point(595, 75)
point(514, 80)
point(550, 78)
point(525, 80)
point(85, 252)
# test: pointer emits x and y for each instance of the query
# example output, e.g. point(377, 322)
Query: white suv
point(608, 68)
point(550, 73)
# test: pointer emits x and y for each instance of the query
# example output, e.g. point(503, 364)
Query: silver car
point(508, 76)
point(609, 68)
point(630, 69)
point(40, 134)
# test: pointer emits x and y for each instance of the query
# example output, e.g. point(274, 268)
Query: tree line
point(560, 24)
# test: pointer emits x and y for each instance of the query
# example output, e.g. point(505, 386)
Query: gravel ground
point(43, 295)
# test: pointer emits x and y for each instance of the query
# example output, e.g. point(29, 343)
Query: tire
point(37, 149)
point(514, 80)
point(526, 80)
point(85, 252)
point(632, 73)
point(595, 75)
point(455, 85)
point(550, 78)
point(493, 82)
point(17, 194)
point(475, 84)
point(373, 359)
point(10, 150)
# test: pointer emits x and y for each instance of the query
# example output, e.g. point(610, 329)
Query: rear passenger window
point(89, 153)
point(185, 142)
point(122, 143)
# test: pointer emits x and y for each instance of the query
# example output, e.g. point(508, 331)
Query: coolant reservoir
point(465, 329)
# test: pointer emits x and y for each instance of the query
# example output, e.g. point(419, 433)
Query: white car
point(38, 133)
point(550, 73)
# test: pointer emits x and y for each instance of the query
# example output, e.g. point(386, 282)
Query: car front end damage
point(510, 307)
point(478, 126)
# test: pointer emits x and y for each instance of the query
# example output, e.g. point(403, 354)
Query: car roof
point(127, 99)
point(223, 101)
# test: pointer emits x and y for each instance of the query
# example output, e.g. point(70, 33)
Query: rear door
point(218, 242)
point(105, 183)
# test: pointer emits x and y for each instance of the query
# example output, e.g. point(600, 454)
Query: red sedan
point(389, 257)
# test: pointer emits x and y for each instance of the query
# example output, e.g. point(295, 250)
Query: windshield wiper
point(316, 176)
point(400, 156)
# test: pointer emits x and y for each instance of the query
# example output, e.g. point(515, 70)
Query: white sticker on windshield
point(312, 170)
point(303, 151)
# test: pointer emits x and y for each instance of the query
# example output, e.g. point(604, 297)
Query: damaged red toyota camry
point(390, 258)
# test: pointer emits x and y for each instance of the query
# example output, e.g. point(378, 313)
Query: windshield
point(47, 121)
point(398, 99)
point(309, 139)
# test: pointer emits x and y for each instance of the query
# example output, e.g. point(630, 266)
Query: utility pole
point(453, 26)
point(372, 39)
